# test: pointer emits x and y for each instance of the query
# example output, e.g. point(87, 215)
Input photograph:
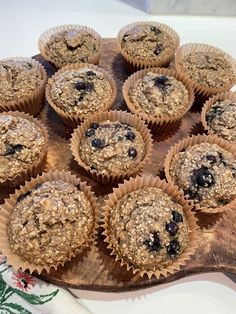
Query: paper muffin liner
point(201, 90)
point(164, 61)
point(35, 167)
point(141, 182)
point(73, 119)
point(157, 122)
point(210, 102)
point(33, 102)
point(123, 117)
point(190, 141)
point(45, 37)
point(7, 209)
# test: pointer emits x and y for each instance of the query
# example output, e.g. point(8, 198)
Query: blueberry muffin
point(206, 173)
point(148, 229)
point(158, 94)
point(49, 223)
point(146, 42)
point(111, 147)
point(80, 91)
point(221, 119)
point(72, 45)
point(208, 69)
point(21, 144)
point(19, 79)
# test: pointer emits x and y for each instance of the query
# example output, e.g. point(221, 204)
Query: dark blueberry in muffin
point(80, 85)
point(211, 158)
point(213, 112)
point(94, 125)
point(89, 87)
point(176, 216)
point(172, 228)
point(12, 149)
point(203, 177)
point(161, 82)
point(132, 152)
point(130, 136)
point(89, 132)
point(191, 194)
point(91, 73)
point(158, 49)
point(173, 248)
point(153, 243)
point(97, 143)
point(155, 29)
point(23, 196)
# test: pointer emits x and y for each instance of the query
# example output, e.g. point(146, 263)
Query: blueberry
point(203, 177)
point(132, 152)
point(155, 30)
point(91, 73)
point(176, 216)
point(173, 248)
point(161, 82)
point(89, 86)
point(213, 113)
point(37, 186)
point(12, 149)
point(153, 245)
point(158, 49)
point(94, 125)
point(211, 158)
point(80, 85)
point(89, 132)
point(23, 196)
point(191, 194)
point(97, 143)
point(130, 136)
point(172, 228)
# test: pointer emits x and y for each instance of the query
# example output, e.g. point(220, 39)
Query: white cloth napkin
point(21, 293)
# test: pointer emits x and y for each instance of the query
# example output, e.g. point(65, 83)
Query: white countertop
point(21, 23)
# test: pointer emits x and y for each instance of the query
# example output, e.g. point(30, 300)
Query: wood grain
point(95, 269)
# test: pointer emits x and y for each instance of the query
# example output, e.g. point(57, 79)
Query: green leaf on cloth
point(14, 308)
point(36, 299)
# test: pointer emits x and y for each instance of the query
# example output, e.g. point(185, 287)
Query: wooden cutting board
point(95, 269)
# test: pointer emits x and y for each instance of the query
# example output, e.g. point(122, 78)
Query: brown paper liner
point(190, 141)
point(202, 90)
point(73, 119)
point(44, 38)
point(157, 122)
point(123, 117)
point(7, 209)
point(164, 61)
point(208, 104)
point(141, 182)
point(31, 103)
point(38, 165)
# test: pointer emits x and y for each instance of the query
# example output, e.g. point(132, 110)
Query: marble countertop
point(21, 23)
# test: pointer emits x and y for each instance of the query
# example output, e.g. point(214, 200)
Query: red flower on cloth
point(23, 280)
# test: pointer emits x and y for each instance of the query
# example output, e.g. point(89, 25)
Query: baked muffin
point(221, 118)
point(206, 173)
point(148, 43)
point(22, 143)
point(148, 229)
point(111, 147)
point(22, 85)
point(210, 69)
point(159, 95)
point(69, 44)
point(49, 223)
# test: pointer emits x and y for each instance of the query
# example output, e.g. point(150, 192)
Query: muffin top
point(148, 229)
point(206, 173)
point(208, 69)
point(18, 79)
point(159, 95)
point(50, 222)
point(221, 118)
point(81, 91)
point(71, 46)
point(111, 147)
point(147, 42)
point(21, 143)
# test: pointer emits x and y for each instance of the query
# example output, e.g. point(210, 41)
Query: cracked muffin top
point(159, 94)
point(147, 42)
point(148, 229)
point(221, 118)
point(50, 222)
point(71, 46)
point(18, 79)
point(206, 173)
point(81, 91)
point(111, 147)
point(21, 142)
